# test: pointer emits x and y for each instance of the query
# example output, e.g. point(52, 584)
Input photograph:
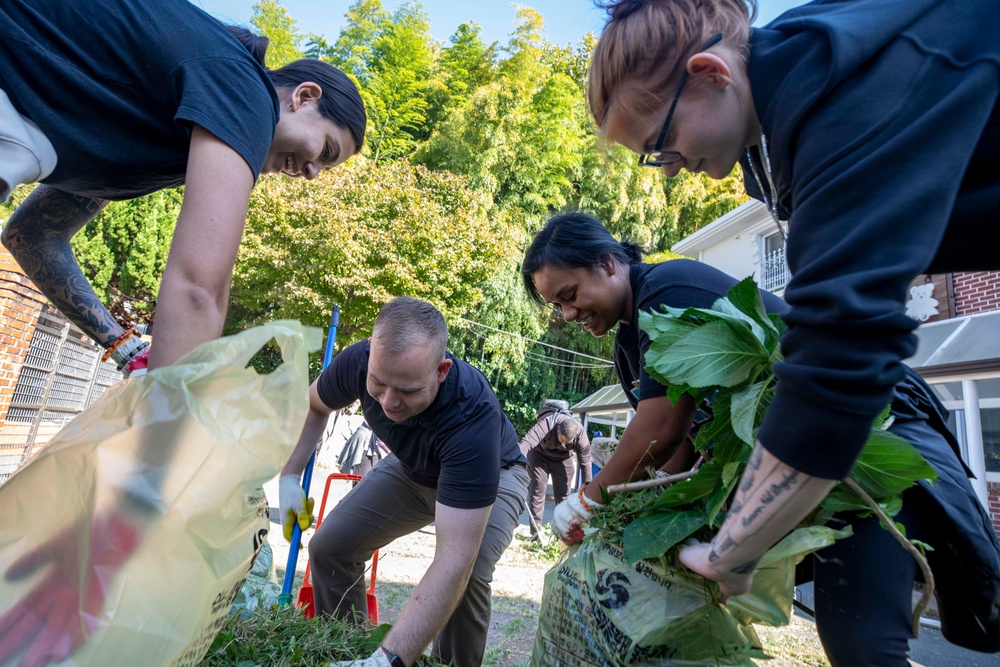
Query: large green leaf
point(889, 465)
point(698, 487)
point(651, 536)
point(726, 446)
point(731, 473)
point(745, 296)
point(748, 408)
point(716, 354)
point(802, 541)
point(843, 499)
point(664, 328)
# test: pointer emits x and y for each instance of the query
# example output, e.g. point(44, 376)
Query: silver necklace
point(770, 195)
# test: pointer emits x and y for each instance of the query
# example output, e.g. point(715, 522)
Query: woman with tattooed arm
point(111, 99)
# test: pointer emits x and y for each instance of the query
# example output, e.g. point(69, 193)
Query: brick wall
point(20, 304)
point(976, 292)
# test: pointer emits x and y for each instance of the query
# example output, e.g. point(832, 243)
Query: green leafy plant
point(725, 354)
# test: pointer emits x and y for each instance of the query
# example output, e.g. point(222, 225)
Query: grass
point(278, 637)
point(547, 548)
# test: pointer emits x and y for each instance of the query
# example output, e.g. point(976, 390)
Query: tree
point(460, 69)
point(352, 52)
point(123, 252)
point(272, 20)
point(358, 236)
point(397, 89)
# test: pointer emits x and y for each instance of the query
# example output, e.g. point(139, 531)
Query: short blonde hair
point(647, 43)
point(405, 322)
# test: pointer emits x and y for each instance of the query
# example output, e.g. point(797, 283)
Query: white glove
point(376, 659)
point(570, 514)
point(293, 505)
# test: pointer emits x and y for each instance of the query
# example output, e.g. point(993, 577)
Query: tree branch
point(650, 483)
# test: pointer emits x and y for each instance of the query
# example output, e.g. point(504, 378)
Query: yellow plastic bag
point(230, 429)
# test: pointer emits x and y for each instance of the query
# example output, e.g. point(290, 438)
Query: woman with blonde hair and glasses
point(871, 131)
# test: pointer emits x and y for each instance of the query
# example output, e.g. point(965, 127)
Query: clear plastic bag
point(229, 429)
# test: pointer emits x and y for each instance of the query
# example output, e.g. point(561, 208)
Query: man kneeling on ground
point(455, 461)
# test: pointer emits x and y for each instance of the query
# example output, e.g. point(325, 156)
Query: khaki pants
point(26, 155)
point(386, 505)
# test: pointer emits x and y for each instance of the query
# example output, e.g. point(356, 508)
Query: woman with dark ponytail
point(114, 99)
point(863, 583)
point(111, 99)
point(593, 279)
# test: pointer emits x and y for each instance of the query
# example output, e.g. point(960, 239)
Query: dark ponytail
point(254, 43)
point(571, 241)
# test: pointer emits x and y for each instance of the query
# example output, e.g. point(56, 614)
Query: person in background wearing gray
point(454, 462)
point(549, 447)
point(361, 452)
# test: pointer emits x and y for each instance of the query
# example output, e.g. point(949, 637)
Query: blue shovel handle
point(285, 598)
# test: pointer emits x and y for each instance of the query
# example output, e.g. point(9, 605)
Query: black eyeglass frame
point(658, 158)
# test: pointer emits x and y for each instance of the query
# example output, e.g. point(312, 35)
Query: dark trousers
point(385, 505)
point(540, 467)
point(864, 583)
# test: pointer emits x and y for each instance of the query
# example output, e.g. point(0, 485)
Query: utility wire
point(604, 362)
point(543, 359)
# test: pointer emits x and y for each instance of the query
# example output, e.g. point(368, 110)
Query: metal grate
point(68, 392)
point(62, 374)
point(43, 350)
point(774, 270)
point(30, 386)
point(77, 359)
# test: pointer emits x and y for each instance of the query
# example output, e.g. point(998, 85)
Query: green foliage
point(353, 50)
point(124, 249)
point(726, 352)
point(358, 236)
point(272, 20)
point(395, 89)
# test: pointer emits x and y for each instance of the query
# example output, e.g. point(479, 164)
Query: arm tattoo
point(747, 567)
point(38, 235)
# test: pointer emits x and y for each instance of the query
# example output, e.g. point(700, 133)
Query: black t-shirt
point(680, 283)
point(458, 444)
point(117, 84)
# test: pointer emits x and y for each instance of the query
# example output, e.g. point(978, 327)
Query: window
point(773, 266)
point(990, 419)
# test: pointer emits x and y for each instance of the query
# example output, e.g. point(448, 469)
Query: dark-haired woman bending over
point(864, 583)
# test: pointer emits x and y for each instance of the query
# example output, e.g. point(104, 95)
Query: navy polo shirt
point(458, 445)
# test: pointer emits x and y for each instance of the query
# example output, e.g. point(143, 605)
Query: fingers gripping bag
point(127, 538)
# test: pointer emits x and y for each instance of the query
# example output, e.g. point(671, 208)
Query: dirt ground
point(517, 590)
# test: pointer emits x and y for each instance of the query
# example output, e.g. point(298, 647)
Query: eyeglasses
point(657, 158)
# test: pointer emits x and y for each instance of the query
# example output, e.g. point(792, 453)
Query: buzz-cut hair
point(405, 322)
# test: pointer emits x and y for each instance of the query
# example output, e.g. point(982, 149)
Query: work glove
point(376, 659)
point(293, 505)
point(572, 513)
point(137, 365)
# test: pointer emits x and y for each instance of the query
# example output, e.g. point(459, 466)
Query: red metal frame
point(305, 599)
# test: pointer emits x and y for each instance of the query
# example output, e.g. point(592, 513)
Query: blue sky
point(565, 20)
